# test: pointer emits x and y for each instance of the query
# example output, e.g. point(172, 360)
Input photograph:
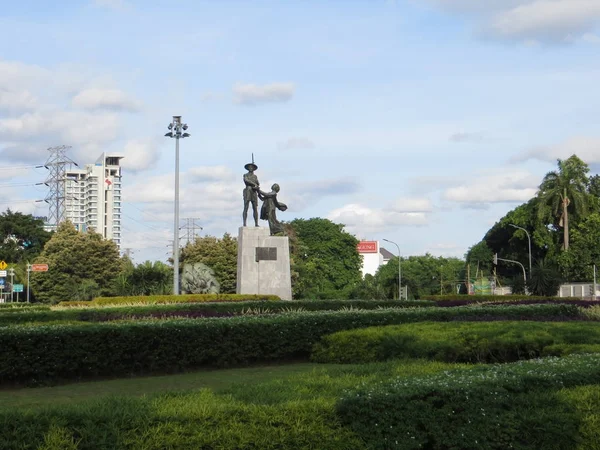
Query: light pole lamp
point(399, 269)
point(176, 131)
point(529, 242)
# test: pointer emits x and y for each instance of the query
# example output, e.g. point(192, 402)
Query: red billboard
point(367, 247)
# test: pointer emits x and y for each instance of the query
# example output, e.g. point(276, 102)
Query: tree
point(325, 258)
point(423, 275)
point(564, 190)
point(76, 259)
point(218, 254)
point(544, 279)
point(147, 278)
point(22, 237)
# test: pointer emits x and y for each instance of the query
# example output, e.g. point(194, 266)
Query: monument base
point(263, 264)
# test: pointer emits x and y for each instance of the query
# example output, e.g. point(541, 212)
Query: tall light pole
point(176, 131)
point(399, 269)
point(528, 240)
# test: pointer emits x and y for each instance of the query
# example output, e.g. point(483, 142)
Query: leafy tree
point(147, 278)
point(563, 192)
point(22, 237)
point(75, 258)
point(218, 254)
point(325, 258)
point(423, 275)
point(577, 263)
point(544, 279)
point(369, 289)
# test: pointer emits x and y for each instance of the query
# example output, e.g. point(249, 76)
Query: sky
point(419, 121)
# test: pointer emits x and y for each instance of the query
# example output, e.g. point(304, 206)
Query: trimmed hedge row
point(45, 353)
point(157, 299)
point(493, 298)
point(196, 310)
point(504, 406)
point(473, 342)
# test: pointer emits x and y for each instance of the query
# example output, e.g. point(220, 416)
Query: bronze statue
point(250, 191)
point(269, 207)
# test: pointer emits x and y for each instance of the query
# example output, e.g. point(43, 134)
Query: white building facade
point(93, 197)
point(372, 258)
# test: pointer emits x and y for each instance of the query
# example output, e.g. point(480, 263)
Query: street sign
point(39, 267)
point(3, 265)
point(2, 273)
point(17, 288)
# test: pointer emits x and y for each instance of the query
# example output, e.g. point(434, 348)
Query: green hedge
point(494, 298)
point(482, 342)
point(192, 298)
point(504, 406)
point(91, 314)
point(44, 353)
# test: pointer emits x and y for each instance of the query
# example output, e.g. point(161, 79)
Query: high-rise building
point(93, 197)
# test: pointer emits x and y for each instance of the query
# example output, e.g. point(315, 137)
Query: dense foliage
point(220, 255)
point(325, 259)
point(92, 312)
point(147, 278)
point(511, 405)
point(70, 351)
point(81, 266)
point(563, 220)
point(483, 342)
point(22, 237)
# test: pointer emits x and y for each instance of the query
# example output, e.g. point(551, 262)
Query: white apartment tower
point(93, 197)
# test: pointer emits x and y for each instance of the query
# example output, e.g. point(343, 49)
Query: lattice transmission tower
point(57, 164)
point(190, 226)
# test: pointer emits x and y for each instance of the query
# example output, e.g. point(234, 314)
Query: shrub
point(52, 352)
point(191, 310)
point(455, 342)
point(494, 298)
point(192, 298)
point(510, 405)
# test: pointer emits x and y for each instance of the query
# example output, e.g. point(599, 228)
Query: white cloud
point(210, 173)
point(466, 137)
point(412, 205)
point(140, 155)
point(253, 94)
point(494, 186)
point(364, 220)
point(548, 20)
point(118, 5)
point(586, 148)
point(110, 99)
point(17, 101)
point(529, 21)
point(296, 143)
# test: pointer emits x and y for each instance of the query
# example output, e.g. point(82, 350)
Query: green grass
point(275, 407)
point(137, 386)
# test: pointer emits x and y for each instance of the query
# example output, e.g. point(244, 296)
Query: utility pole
point(28, 272)
point(11, 273)
point(190, 226)
point(594, 293)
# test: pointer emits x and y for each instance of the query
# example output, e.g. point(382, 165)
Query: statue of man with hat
point(250, 191)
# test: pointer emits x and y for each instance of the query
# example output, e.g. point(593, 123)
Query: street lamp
point(175, 131)
point(528, 240)
point(399, 270)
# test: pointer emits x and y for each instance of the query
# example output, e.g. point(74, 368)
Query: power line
point(191, 226)
point(57, 163)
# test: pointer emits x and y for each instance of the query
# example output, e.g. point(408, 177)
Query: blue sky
point(421, 121)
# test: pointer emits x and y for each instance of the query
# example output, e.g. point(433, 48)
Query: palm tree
point(565, 190)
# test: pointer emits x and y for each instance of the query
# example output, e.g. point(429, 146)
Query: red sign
point(367, 247)
point(39, 267)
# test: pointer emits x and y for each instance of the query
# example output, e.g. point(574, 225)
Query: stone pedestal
point(263, 264)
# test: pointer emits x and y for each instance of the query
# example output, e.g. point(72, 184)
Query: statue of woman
point(269, 207)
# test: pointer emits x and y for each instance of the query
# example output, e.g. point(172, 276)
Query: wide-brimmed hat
point(251, 165)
